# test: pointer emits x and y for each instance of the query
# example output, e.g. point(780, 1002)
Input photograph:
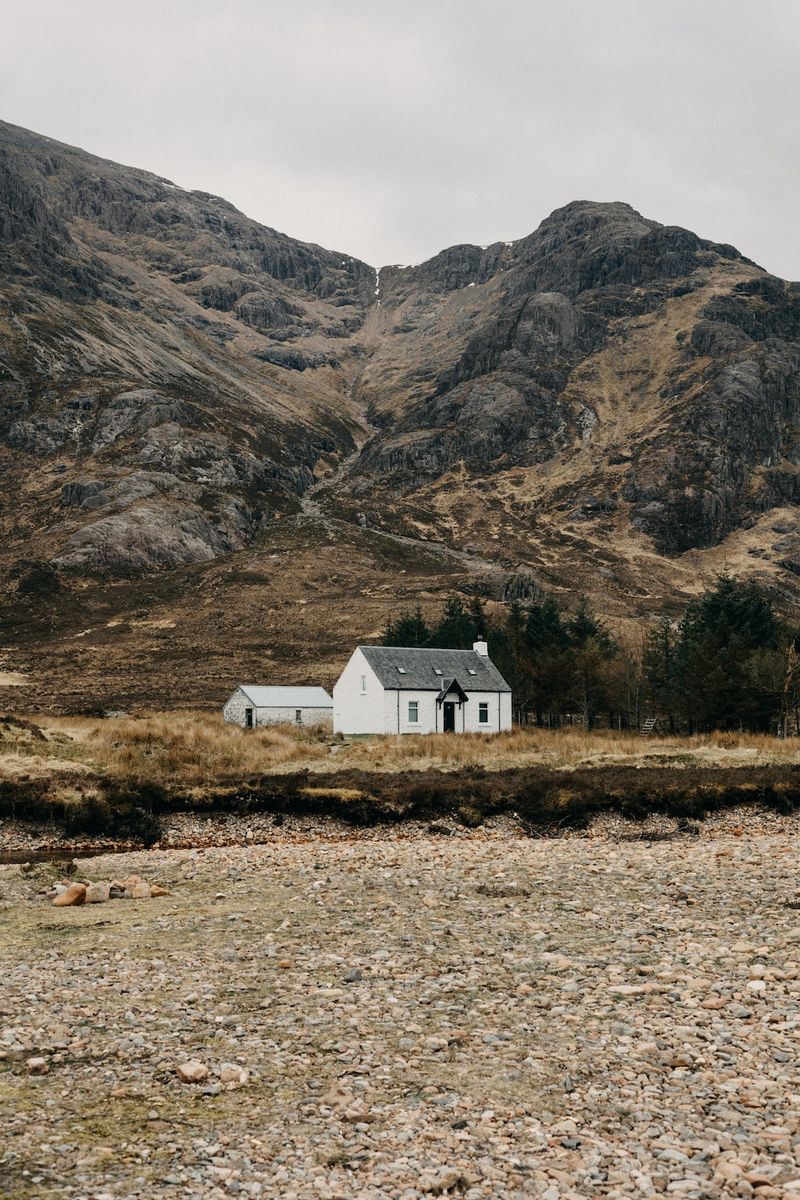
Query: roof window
point(437, 671)
point(471, 671)
point(401, 670)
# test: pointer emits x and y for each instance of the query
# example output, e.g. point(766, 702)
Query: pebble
point(192, 1071)
point(75, 893)
point(100, 891)
point(443, 1180)
point(97, 893)
point(506, 1046)
point(233, 1075)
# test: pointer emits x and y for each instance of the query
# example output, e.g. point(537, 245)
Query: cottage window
point(298, 716)
point(413, 712)
point(483, 714)
point(363, 683)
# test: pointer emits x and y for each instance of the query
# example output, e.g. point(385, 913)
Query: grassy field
point(200, 750)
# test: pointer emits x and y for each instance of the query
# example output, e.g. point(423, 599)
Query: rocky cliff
point(170, 372)
point(187, 397)
point(605, 364)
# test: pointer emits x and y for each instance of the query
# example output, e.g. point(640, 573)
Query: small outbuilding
point(252, 706)
point(401, 689)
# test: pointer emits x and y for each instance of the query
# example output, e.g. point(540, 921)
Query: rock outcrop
point(179, 383)
point(152, 341)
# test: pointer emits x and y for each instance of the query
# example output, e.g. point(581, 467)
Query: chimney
point(481, 648)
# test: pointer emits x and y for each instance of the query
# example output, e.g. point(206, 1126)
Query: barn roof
point(286, 697)
point(423, 669)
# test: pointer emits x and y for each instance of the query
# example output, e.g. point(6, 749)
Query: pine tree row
point(727, 662)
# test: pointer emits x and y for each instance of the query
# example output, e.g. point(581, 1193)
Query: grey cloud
point(392, 130)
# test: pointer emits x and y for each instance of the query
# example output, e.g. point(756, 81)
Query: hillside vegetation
point(228, 450)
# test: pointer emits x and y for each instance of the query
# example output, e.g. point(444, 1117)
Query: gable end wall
point(356, 710)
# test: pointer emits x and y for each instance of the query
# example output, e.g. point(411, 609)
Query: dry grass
point(118, 778)
point(563, 749)
point(195, 749)
point(187, 748)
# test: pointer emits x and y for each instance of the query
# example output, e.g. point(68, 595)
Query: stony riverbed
point(482, 1015)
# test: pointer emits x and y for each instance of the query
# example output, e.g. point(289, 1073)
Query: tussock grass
point(189, 748)
point(559, 749)
point(120, 777)
point(198, 750)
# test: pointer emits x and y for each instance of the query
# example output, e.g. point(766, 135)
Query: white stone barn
point(251, 706)
point(398, 689)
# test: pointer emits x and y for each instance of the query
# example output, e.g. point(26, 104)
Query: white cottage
point(251, 706)
point(398, 689)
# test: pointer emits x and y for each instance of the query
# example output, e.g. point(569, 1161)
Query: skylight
point(437, 671)
point(471, 671)
point(401, 670)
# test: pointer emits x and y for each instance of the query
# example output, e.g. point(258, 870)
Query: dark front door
point(248, 718)
point(449, 716)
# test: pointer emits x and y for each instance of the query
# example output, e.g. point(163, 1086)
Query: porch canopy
point(451, 687)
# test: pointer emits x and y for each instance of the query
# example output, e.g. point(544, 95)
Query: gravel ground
point(405, 1015)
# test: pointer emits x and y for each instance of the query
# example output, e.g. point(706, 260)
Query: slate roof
point(409, 667)
point(286, 697)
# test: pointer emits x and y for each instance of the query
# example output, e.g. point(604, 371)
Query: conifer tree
point(410, 629)
point(454, 631)
point(660, 670)
point(718, 637)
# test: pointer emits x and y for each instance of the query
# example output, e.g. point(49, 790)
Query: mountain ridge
point(182, 389)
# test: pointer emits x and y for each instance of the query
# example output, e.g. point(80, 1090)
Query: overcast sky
point(390, 129)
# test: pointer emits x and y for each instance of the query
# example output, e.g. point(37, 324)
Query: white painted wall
point(426, 712)
point(371, 709)
point(467, 715)
point(234, 713)
point(505, 710)
point(358, 707)
point(499, 712)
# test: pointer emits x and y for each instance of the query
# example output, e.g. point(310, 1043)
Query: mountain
point(228, 453)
